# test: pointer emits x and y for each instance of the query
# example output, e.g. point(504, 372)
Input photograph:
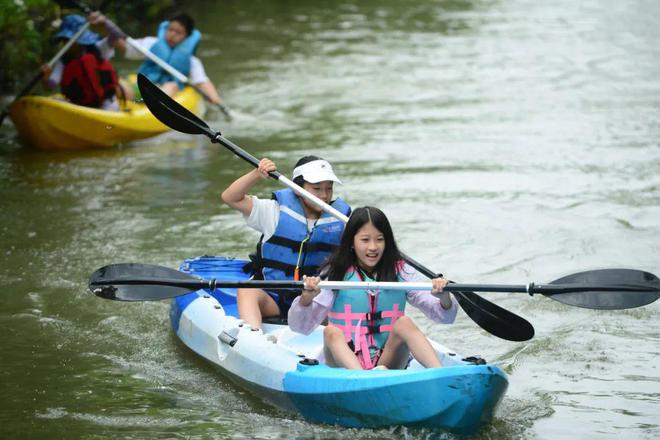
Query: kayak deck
point(286, 369)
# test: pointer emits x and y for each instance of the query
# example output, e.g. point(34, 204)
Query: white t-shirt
point(197, 73)
point(265, 216)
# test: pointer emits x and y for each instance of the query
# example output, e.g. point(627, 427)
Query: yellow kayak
point(51, 123)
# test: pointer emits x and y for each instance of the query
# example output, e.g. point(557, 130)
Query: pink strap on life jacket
point(394, 314)
point(347, 315)
point(357, 333)
point(360, 335)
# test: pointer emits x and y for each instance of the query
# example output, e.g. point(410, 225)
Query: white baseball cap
point(316, 171)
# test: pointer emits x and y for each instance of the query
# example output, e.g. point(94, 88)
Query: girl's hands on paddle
point(310, 290)
point(438, 284)
point(266, 166)
point(437, 290)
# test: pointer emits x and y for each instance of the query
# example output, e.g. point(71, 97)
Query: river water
point(508, 142)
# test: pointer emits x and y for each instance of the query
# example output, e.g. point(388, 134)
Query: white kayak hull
point(282, 367)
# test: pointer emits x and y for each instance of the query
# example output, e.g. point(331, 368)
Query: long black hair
point(87, 48)
point(344, 256)
point(184, 20)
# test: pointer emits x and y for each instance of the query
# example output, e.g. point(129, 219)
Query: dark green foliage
point(27, 25)
point(132, 15)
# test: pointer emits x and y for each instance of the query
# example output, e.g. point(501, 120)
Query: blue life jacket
point(292, 245)
point(177, 56)
point(366, 317)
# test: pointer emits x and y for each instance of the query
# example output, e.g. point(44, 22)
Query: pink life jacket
point(366, 318)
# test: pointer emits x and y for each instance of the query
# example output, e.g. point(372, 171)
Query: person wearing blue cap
point(85, 75)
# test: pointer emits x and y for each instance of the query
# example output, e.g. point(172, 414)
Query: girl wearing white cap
point(297, 236)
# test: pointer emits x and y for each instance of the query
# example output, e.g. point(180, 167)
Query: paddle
point(33, 82)
point(489, 316)
point(161, 63)
point(604, 289)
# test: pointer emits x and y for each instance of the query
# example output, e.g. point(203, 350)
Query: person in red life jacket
point(297, 236)
point(85, 75)
point(175, 43)
point(369, 329)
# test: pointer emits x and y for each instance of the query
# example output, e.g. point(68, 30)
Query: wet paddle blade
point(494, 319)
point(170, 112)
point(621, 289)
point(147, 291)
point(487, 315)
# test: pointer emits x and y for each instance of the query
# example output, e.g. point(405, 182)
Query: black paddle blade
point(494, 319)
point(170, 112)
point(487, 315)
point(101, 282)
point(609, 289)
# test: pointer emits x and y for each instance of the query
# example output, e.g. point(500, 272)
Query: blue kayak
point(286, 369)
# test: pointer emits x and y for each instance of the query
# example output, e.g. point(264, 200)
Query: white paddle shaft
point(312, 198)
point(373, 285)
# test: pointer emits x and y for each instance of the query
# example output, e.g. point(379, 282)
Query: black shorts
point(283, 298)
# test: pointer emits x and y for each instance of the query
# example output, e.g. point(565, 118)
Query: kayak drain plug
point(308, 361)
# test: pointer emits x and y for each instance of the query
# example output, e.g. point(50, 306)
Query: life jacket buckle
point(373, 316)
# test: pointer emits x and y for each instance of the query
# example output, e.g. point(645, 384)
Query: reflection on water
point(507, 141)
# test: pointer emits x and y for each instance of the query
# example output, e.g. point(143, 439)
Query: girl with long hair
point(369, 329)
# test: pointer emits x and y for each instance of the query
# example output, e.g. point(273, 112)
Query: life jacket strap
point(364, 356)
point(346, 316)
point(394, 314)
point(306, 245)
point(288, 269)
point(371, 329)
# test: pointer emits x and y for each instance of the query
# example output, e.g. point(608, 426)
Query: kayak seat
point(306, 346)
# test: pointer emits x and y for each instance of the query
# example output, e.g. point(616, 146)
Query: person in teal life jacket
point(297, 236)
point(175, 43)
point(369, 329)
point(84, 74)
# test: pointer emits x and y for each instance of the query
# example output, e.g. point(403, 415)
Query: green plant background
point(27, 25)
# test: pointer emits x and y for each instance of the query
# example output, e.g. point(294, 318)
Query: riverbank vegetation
point(26, 27)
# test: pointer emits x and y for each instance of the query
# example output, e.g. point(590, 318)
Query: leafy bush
point(27, 25)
